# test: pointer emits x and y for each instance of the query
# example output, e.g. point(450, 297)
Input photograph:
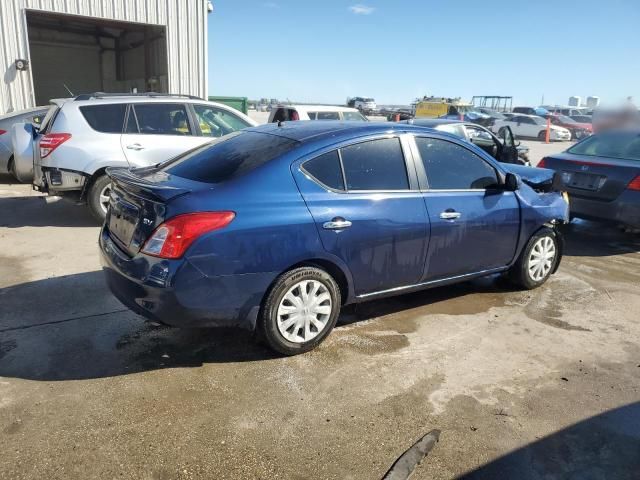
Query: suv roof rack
point(95, 95)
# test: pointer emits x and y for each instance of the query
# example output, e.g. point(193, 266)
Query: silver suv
point(80, 137)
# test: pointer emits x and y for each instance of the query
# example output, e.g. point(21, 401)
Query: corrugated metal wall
point(185, 21)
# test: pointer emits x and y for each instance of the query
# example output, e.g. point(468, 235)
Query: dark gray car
point(602, 176)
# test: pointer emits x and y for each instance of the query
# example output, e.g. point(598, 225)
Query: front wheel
point(537, 261)
point(542, 136)
point(300, 310)
point(98, 197)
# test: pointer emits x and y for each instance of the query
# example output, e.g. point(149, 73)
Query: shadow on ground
point(593, 239)
point(36, 211)
point(71, 327)
point(606, 446)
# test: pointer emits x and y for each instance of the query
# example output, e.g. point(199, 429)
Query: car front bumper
point(176, 293)
point(625, 209)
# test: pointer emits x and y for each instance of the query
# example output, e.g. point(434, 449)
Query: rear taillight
point(542, 163)
point(51, 141)
point(634, 184)
point(2, 132)
point(172, 238)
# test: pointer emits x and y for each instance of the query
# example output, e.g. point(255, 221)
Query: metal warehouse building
point(49, 48)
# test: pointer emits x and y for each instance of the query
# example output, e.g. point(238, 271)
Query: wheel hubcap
point(104, 198)
point(541, 258)
point(304, 311)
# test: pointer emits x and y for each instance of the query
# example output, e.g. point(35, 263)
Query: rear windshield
point(623, 145)
point(231, 157)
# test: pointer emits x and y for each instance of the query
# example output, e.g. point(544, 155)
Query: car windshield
point(623, 145)
point(369, 100)
point(233, 156)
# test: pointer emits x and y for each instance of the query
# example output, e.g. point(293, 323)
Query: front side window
point(216, 122)
point(326, 170)
point(452, 167)
point(162, 119)
point(354, 117)
point(375, 165)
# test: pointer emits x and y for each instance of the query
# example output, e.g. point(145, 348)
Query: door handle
point(450, 215)
point(337, 223)
point(135, 146)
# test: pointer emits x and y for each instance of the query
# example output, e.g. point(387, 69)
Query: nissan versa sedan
point(275, 228)
point(602, 176)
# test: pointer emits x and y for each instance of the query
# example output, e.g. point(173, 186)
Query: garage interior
point(71, 55)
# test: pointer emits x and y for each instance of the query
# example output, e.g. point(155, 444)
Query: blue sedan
point(276, 227)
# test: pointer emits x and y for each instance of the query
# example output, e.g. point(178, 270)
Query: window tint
point(105, 118)
point(452, 167)
point(231, 157)
point(162, 119)
point(216, 122)
point(326, 170)
point(375, 165)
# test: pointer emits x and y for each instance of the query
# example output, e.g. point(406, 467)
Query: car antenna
point(67, 89)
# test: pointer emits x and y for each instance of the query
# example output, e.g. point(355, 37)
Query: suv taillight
point(51, 141)
point(634, 184)
point(172, 238)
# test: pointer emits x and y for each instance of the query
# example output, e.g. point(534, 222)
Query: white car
point(365, 105)
point(80, 137)
point(531, 126)
point(288, 113)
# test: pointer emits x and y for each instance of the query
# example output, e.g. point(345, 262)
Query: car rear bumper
point(175, 292)
point(625, 209)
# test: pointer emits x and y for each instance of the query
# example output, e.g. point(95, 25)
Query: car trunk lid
point(138, 204)
point(599, 178)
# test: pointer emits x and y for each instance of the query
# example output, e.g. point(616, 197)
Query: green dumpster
point(239, 103)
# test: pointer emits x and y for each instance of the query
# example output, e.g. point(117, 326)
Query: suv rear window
point(233, 156)
point(105, 118)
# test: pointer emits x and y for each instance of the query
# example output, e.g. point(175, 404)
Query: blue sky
point(396, 50)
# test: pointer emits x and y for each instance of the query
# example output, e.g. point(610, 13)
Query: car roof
point(303, 131)
point(432, 122)
point(319, 108)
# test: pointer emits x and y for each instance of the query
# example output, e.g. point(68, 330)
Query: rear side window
point(326, 170)
point(353, 117)
point(452, 167)
point(325, 115)
point(105, 118)
point(162, 119)
point(231, 157)
point(375, 165)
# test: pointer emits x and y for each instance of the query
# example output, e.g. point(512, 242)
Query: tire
point(12, 168)
point(275, 324)
point(542, 136)
point(98, 190)
point(542, 245)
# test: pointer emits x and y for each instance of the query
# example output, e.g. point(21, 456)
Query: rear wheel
point(542, 136)
point(98, 197)
point(300, 310)
point(537, 261)
point(12, 168)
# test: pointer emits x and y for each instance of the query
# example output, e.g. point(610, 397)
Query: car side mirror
point(511, 182)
